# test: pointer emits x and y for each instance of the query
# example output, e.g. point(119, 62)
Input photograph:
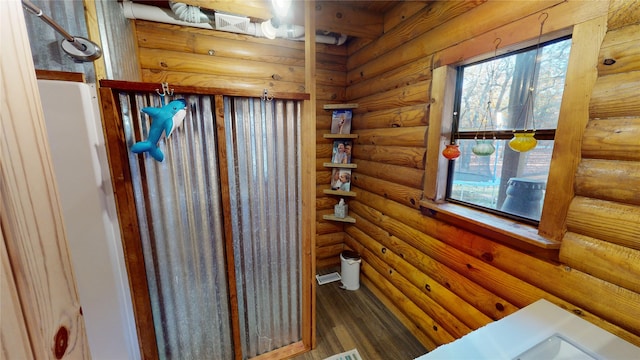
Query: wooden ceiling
point(359, 18)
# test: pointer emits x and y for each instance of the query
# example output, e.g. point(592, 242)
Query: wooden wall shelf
point(340, 136)
point(339, 192)
point(347, 219)
point(340, 106)
point(338, 165)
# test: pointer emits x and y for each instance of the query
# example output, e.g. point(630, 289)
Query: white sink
point(541, 330)
point(556, 347)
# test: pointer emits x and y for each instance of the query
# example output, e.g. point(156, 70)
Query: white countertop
point(513, 335)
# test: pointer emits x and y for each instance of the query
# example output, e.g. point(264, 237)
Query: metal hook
point(497, 41)
point(165, 91)
point(265, 95)
point(546, 16)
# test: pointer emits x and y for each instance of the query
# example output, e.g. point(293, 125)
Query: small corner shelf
point(340, 136)
point(339, 192)
point(340, 106)
point(347, 219)
point(338, 165)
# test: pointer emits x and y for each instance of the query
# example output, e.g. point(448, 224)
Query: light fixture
point(281, 7)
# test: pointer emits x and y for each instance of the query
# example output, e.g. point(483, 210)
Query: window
point(493, 99)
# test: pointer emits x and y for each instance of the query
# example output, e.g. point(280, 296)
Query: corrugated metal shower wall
point(180, 213)
point(262, 146)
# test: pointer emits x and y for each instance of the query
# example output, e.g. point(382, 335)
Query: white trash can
point(350, 270)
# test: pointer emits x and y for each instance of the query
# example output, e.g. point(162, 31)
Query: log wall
point(444, 281)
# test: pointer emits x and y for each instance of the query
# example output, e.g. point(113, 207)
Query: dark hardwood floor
point(357, 319)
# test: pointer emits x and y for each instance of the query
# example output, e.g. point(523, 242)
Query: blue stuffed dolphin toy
point(164, 119)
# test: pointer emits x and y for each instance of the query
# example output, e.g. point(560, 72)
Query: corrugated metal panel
point(118, 42)
point(45, 42)
point(262, 140)
point(180, 216)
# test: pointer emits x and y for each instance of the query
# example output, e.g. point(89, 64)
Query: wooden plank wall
point(442, 280)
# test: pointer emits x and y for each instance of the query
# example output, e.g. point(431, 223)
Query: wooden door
point(40, 312)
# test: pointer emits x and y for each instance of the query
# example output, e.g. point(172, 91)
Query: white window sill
point(506, 230)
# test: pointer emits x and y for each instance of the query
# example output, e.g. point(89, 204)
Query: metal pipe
point(38, 12)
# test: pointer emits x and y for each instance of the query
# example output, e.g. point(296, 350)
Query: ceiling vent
point(232, 23)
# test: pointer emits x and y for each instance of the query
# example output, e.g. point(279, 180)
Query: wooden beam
point(257, 9)
point(335, 17)
point(37, 275)
point(439, 132)
point(308, 172)
point(574, 115)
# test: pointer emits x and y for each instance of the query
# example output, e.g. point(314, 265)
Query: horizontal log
point(325, 202)
point(402, 76)
point(616, 264)
point(154, 59)
point(416, 115)
point(435, 14)
point(613, 139)
point(215, 45)
point(323, 122)
point(616, 95)
point(348, 20)
point(621, 46)
point(409, 196)
point(328, 227)
point(519, 33)
point(429, 326)
point(401, 175)
point(413, 94)
point(623, 13)
point(611, 180)
point(332, 62)
point(330, 239)
point(452, 32)
point(393, 155)
point(330, 93)
point(415, 330)
point(401, 136)
point(456, 315)
point(219, 81)
point(323, 178)
point(327, 263)
point(416, 295)
point(605, 220)
point(496, 281)
point(402, 12)
point(327, 251)
point(324, 151)
point(330, 78)
point(480, 298)
point(571, 289)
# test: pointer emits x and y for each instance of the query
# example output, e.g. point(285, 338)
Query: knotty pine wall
point(444, 281)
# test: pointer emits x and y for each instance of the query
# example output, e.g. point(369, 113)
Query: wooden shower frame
point(121, 177)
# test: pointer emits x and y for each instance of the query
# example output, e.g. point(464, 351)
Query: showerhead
point(78, 48)
point(88, 51)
